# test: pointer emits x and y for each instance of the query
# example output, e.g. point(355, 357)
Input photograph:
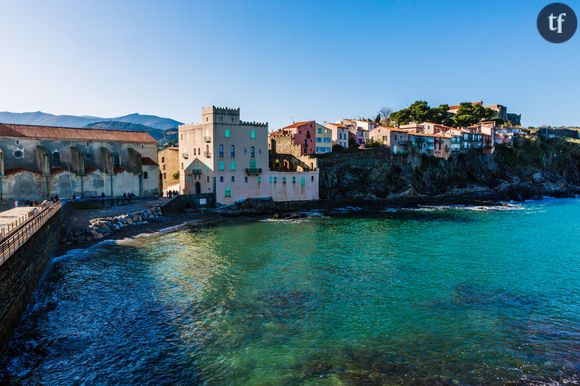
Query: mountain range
point(164, 130)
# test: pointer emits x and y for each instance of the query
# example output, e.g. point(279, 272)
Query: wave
point(475, 208)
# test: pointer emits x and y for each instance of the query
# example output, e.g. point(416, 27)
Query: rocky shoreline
point(153, 220)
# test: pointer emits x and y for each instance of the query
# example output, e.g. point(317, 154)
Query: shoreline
point(173, 222)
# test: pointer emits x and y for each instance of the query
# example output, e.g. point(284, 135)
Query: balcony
point(207, 138)
point(207, 154)
point(253, 171)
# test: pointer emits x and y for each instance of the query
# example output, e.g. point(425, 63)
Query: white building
point(229, 157)
point(339, 134)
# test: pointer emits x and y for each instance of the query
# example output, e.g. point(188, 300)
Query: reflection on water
point(438, 296)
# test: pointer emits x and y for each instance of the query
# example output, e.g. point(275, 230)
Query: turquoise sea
point(435, 295)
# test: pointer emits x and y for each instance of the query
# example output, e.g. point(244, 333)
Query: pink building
point(304, 134)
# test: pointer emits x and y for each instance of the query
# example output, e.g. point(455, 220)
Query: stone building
point(229, 157)
point(286, 156)
point(303, 135)
point(38, 162)
point(168, 160)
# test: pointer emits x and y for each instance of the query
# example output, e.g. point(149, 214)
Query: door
point(197, 187)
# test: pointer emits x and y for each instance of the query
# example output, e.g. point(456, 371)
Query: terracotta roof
point(148, 161)
point(297, 124)
point(52, 132)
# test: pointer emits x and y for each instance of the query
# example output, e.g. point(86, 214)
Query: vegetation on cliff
point(420, 111)
point(532, 167)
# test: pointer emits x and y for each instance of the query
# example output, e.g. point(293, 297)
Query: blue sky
point(283, 60)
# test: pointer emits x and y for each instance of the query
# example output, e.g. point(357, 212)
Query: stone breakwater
point(104, 226)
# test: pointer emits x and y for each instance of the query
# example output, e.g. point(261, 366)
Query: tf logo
point(557, 22)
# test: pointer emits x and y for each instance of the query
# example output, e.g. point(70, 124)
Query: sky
point(283, 61)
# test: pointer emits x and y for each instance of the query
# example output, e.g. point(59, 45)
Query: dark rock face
point(530, 169)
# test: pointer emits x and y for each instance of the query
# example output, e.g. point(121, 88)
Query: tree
point(418, 111)
point(469, 114)
point(385, 115)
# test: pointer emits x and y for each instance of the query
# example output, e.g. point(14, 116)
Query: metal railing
point(17, 233)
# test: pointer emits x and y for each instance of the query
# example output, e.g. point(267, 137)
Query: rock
point(96, 235)
point(538, 177)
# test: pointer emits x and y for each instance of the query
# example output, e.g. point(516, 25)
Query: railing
point(18, 232)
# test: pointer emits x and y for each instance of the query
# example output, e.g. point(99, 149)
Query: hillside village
point(229, 158)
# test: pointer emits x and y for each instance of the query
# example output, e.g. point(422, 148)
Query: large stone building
point(38, 162)
point(229, 157)
point(168, 160)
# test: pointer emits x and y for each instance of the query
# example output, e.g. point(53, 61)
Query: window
point(318, 139)
point(233, 166)
point(312, 178)
point(252, 152)
point(253, 134)
point(227, 192)
point(182, 166)
point(55, 159)
point(275, 179)
point(232, 151)
point(246, 179)
point(293, 179)
point(222, 166)
point(221, 151)
point(117, 161)
point(245, 150)
point(233, 179)
point(284, 179)
point(270, 179)
point(221, 178)
point(259, 180)
point(163, 167)
point(302, 181)
point(320, 130)
point(145, 175)
point(260, 150)
point(162, 159)
point(164, 176)
point(227, 133)
point(252, 164)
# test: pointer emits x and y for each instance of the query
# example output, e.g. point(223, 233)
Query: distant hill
point(149, 120)
point(40, 118)
point(162, 136)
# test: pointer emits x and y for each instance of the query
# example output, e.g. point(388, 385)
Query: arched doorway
point(197, 187)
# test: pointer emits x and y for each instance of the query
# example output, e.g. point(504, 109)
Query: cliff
point(531, 168)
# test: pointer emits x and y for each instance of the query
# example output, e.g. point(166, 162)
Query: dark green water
point(434, 296)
